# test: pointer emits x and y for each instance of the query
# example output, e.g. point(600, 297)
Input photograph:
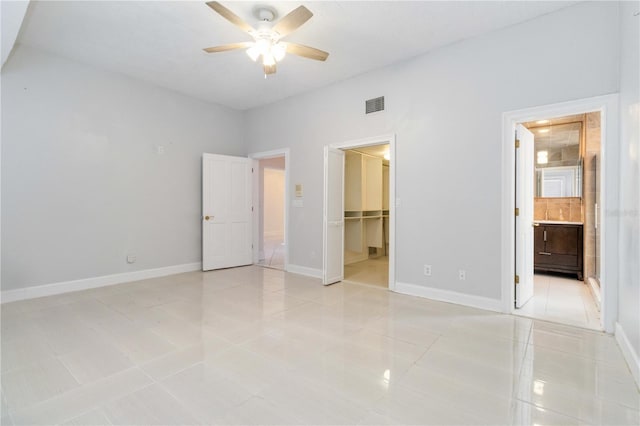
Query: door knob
point(208, 217)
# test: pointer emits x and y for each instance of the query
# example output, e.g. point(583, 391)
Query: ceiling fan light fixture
point(278, 50)
point(253, 52)
point(268, 59)
point(267, 36)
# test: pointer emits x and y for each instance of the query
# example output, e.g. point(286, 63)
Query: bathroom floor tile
point(564, 300)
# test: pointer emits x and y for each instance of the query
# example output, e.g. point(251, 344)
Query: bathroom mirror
point(558, 161)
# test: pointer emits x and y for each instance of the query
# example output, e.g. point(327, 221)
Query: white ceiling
point(161, 42)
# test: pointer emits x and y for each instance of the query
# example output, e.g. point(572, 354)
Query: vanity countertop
point(557, 222)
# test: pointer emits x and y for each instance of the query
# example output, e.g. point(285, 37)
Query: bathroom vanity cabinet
point(558, 248)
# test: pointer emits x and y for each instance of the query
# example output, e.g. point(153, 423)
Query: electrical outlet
point(427, 270)
point(131, 258)
point(462, 274)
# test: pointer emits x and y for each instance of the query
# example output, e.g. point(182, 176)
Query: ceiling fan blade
point(269, 69)
point(232, 46)
point(230, 16)
point(306, 51)
point(292, 21)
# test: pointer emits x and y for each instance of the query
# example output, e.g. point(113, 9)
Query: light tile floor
point(562, 299)
point(374, 271)
point(273, 253)
point(259, 346)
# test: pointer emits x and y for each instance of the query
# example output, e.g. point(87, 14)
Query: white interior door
point(333, 218)
point(524, 220)
point(226, 211)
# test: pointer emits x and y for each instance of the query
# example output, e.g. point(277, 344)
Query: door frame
point(379, 140)
point(257, 211)
point(607, 105)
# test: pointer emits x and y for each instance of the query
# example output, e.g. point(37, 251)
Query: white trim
point(305, 270)
point(595, 291)
point(273, 233)
point(256, 156)
point(326, 278)
point(607, 105)
point(389, 138)
point(94, 282)
point(629, 353)
point(449, 296)
point(356, 259)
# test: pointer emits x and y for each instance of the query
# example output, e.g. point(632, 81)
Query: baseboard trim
point(304, 270)
point(94, 282)
point(357, 259)
point(595, 290)
point(279, 234)
point(629, 353)
point(449, 296)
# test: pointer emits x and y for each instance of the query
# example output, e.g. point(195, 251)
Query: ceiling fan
point(267, 42)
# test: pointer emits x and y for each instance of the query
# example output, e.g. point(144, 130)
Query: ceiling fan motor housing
point(265, 13)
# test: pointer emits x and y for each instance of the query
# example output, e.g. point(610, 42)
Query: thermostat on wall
point(298, 190)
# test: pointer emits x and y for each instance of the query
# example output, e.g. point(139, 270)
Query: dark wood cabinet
point(558, 248)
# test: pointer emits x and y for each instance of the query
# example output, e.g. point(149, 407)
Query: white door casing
point(333, 217)
point(608, 106)
point(524, 220)
point(226, 211)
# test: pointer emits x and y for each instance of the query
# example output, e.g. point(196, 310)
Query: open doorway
point(366, 215)
point(358, 222)
point(270, 211)
point(566, 200)
point(566, 262)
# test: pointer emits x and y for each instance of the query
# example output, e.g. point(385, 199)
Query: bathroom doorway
point(566, 203)
point(566, 230)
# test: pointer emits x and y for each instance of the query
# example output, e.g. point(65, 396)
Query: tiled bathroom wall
point(591, 194)
point(564, 209)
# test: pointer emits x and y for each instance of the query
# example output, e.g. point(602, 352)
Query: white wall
point(83, 183)
point(629, 211)
point(446, 110)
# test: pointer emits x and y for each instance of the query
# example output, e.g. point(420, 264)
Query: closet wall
point(366, 204)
